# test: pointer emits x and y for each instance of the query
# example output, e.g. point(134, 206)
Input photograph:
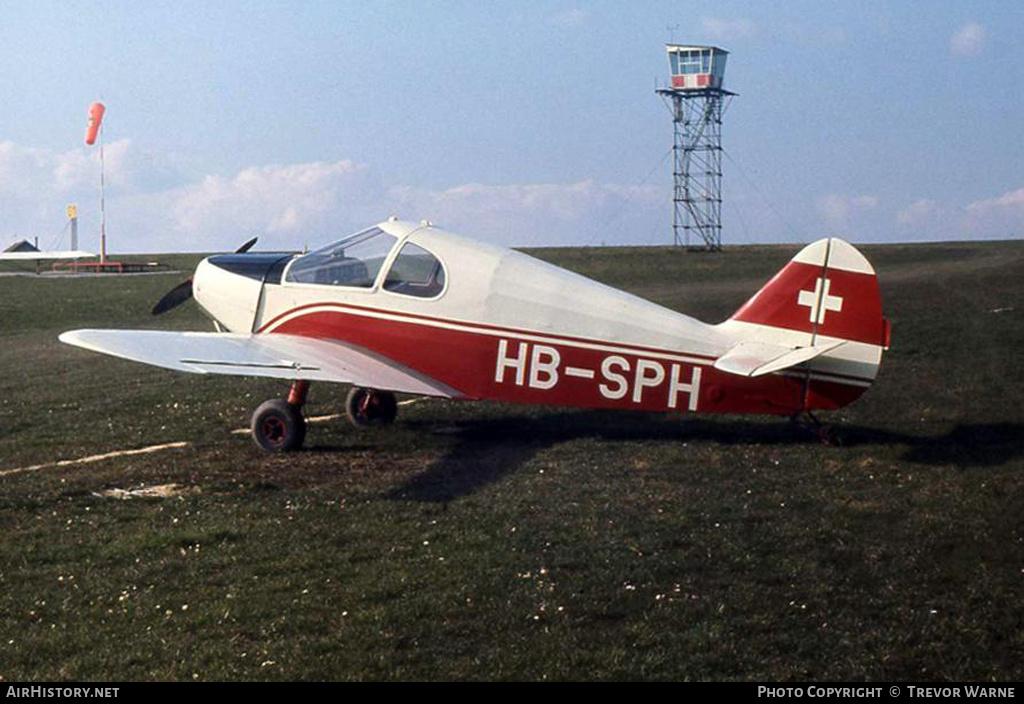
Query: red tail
point(825, 309)
point(827, 290)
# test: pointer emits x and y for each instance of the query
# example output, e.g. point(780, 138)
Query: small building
point(22, 246)
point(696, 67)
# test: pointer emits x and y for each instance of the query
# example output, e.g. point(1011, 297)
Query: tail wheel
point(807, 422)
point(278, 426)
point(366, 407)
point(829, 435)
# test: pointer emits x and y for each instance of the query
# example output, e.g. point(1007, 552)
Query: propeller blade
point(175, 297)
point(247, 246)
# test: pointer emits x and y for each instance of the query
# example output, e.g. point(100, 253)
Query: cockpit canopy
point(356, 261)
point(353, 261)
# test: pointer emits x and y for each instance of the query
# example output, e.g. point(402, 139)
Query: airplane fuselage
point(507, 327)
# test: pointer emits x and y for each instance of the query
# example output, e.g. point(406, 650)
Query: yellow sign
point(72, 211)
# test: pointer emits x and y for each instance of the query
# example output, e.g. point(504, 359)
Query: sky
point(526, 123)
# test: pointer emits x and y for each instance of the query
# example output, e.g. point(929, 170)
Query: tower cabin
point(696, 67)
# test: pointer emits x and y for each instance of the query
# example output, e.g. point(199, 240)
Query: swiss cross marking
point(819, 301)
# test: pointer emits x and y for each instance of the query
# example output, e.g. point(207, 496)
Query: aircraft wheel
point(829, 435)
point(366, 407)
point(278, 426)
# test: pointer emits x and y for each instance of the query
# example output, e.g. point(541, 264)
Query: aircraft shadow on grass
point(967, 445)
point(488, 450)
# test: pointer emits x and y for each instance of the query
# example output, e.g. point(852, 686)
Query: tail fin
point(827, 293)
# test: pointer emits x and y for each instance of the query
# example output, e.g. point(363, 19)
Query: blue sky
point(524, 122)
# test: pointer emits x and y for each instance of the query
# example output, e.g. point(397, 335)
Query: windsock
point(96, 111)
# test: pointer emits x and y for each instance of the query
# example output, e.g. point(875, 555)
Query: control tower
point(695, 98)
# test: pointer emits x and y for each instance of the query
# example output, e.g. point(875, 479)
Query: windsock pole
point(94, 128)
point(103, 203)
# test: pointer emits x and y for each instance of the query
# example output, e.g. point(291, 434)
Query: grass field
point(478, 541)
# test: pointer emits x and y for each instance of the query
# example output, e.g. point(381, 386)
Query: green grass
point(481, 541)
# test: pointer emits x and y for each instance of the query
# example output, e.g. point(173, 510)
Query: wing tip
point(71, 337)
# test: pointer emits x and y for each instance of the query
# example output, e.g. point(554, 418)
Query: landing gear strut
point(807, 422)
point(278, 425)
point(366, 407)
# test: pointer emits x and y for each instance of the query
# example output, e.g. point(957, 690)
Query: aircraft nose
point(252, 266)
point(205, 271)
point(228, 286)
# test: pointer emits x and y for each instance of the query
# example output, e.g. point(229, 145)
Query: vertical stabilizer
point(827, 293)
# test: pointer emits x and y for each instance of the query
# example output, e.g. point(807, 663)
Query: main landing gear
point(366, 407)
point(278, 425)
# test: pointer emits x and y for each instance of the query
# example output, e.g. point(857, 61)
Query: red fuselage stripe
point(482, 365)
point(835, 376)
point(482, 326)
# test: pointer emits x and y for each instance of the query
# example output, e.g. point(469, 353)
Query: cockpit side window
point(415, 272)
point(353, 261)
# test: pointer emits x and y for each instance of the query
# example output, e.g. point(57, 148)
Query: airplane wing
point(270, 355)
point(44, 256)
point(760, 358)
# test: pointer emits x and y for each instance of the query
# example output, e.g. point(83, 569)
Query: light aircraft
point(44, 256)
point(407, 307)
point(31, 254)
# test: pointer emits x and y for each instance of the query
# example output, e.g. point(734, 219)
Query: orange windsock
point(96, 111)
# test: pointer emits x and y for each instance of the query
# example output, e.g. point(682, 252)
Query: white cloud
point(533, 214)
point(286, 205)
point(839, 211)
point(1011, 201)
point(918, 212)
point(36, 184)
point(999, 217)
point(722, 29)
point(968, 40)
point(151, 206)
point(292, 205)
point(21, 169)
point(126, 167)
point(570, 18)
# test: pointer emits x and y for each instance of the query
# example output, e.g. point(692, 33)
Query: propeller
point(175, 297)
point(183, 291)
point(247, 246)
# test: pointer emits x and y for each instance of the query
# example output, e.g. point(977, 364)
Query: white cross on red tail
point(819, 300)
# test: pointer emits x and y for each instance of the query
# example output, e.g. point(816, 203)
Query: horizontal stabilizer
point(760, 358)
point(271, 355)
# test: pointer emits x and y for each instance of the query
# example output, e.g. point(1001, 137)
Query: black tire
point(366, 407)
point(278, 426)
point(830, 435)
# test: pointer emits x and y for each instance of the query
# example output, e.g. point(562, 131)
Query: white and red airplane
point(406, 307)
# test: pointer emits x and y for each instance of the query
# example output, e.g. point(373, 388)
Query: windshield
point(353, 261)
